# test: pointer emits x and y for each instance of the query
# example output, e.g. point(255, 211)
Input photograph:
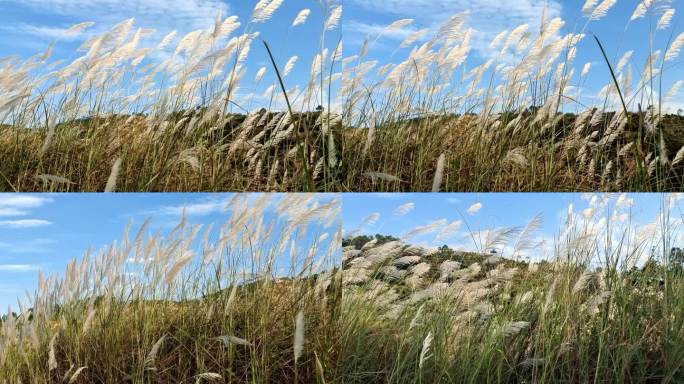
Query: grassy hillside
point(186, 151)
point(593, 151)
point(417, 315)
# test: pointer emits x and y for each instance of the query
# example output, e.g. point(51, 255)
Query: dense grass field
point(429, 118)
point(606, 307)
point(255, 300)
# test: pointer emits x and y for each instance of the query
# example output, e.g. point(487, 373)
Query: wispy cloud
point(11, 212)
point(162, 15)
point(27, 223)
point(18, 267)
point(202, 207)
point(42, 32)
point(19, 205)
point(388, 196)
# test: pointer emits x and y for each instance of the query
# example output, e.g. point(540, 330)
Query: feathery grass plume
point(602, 9)
point(399, 24)
point(624, 60)
point(665, 19)
point(589, 6)
point(265, 9)
point(178, 266)
point(516, 156)
point(439, 173)
point(678, 157)
point(90, 318)
point(228, 340)
point(404, 209)
point(525, 240)
point(298, 342)
point(54, 179)
point(417, 317)
point(582, 282)
point(449, 230)
point(208, 376)
point(424, 229)
point(167, 40)
point(474, 208)
point(370, 219)
point(52, 354)
point(113, 176)
point(334, 18)
point(425, 350)
point(593, 305)
point(301, 18)
point(674, 90)
point(414, 37)
point(289, 66)
point(189, 157)
point(78, 28)
point(76, 375)
point(260, 75)
point(375, 176)
point(151, 359)
point(641, 9)
point(675, 48)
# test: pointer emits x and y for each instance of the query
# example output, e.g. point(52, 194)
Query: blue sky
point(27, 27)
point(45, 231)
point(489, 17)
point(479, 212)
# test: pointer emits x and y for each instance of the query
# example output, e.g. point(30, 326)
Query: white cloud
point(41, 31)
point(163, 15)
point(11, 212)
point(202, 207)
point(17, 205)
point(388, 195)
point(18, 267)
point(21, 205)
point(27, 223)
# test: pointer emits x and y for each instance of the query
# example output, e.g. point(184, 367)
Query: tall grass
point(519, 120)
point(193, 305)
point(605, 307)
point(178, 112)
